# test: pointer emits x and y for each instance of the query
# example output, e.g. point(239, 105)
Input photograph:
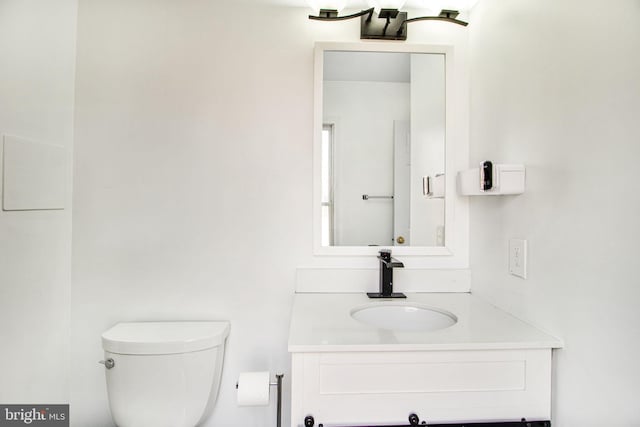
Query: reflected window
point(327, 184)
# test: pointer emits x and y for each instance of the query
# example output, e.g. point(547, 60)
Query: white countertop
point(323, 323)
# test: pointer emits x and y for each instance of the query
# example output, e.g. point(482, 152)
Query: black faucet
point(387, 264)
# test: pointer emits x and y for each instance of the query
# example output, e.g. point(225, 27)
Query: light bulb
point(431, 7)
point(460, 5)
point(316, 5)
point(428, 7)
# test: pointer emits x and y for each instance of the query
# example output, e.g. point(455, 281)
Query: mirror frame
point(456, 155)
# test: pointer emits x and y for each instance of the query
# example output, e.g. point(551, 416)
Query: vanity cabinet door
point(439, 386)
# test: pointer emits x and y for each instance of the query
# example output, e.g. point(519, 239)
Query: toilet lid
point(164, 337)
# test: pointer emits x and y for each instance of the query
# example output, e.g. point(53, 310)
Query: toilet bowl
point(163, 374)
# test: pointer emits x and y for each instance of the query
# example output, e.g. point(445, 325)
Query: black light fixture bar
point(388, 24)
point(332, 15)
point(445, 15)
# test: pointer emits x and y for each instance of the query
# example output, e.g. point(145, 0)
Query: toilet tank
point(164, 374)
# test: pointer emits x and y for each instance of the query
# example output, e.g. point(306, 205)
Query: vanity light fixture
point(383, 21)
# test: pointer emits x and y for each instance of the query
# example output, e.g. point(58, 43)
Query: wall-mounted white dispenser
point(492, 180)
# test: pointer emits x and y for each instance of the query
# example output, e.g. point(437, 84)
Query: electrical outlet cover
point(518, 257)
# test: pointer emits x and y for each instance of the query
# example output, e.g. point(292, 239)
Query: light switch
point(518, 257)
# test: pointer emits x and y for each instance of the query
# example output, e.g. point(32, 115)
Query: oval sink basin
point(404, 317)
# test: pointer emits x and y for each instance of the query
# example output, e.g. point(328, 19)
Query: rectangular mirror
point(383, 121)
point(383, 132)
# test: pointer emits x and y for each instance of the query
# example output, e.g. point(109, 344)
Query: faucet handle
point(395, 263)
point(387, 260)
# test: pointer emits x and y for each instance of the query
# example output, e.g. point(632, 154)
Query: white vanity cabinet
point(488, 366)
point(385, 387)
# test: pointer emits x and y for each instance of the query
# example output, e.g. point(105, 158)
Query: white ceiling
point(432, 6)
point(351, 4)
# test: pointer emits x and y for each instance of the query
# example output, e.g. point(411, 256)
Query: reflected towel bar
point(367, 197)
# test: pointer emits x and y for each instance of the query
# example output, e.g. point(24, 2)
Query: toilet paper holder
point(278, 385)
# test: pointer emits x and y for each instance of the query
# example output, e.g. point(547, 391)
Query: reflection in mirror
point(383, 131)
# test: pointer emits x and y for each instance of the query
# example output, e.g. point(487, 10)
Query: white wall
point(37, 55)
point(193, 178)
point(193, 183)
point(363, 114)
point(555, 86)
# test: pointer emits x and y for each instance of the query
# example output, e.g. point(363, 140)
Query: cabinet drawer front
point(384, 387)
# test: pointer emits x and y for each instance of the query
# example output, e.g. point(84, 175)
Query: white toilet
point(163, 374)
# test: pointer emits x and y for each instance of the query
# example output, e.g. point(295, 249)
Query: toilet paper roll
point(253, 389)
